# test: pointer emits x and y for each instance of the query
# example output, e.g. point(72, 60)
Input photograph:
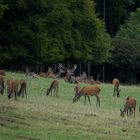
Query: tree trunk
point(103, 72)
point(89, 69)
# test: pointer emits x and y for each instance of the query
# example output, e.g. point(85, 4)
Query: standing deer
point(69, 73)
point(12, 88)
point(22, 88)
point(1, 85)
point(86, 92)
point(129, 107)
point(116, 84)
point(77, 89)
point(53, 87)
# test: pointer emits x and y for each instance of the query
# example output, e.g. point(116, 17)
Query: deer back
point(90, 90)
point(130, 102)
point(116, 82)
point(54, 84)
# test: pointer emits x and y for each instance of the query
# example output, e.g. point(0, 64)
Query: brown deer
point(86, 92)
point(77, 89)
point(53, 87)
point(29, 74)
point(22, 88)
point(1, 85)
point(116, 84)
point(43, 74)
point(51, 75)
point(69, 73)
point(129, 107)
point(12, 88)
point(2, 72)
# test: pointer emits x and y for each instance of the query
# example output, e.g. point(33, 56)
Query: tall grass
point(56, 118)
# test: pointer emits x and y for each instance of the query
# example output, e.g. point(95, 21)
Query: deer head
point(69, 71)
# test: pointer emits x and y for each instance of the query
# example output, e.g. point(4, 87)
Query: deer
point(12, 88)
point(77, 89)
point(30, 74)
point(116, 84)
point(69, 73)
point(22, 88)
point(1, 85)
point(51, 74)
point(53, 87)
point(2, 72)
point(43, 74)
point(86, 92)
point(129, 107)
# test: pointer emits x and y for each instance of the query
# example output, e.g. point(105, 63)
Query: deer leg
point(114, 92)
point(85, 100)
point(134, 112)
point(25, 93)
point(127, 113)
point(118, 94)
point(98, 100)
point(15, 95)
point(57, 92)
point(22, 93)
point(89, 100)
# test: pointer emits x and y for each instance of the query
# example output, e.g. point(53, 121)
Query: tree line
point(86, 32)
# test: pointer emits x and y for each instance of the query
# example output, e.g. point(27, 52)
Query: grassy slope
point(57, 118)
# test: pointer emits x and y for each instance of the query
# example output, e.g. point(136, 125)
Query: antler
point(74, 67)
point(63, 68)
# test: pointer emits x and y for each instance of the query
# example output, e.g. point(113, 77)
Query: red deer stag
point(88, 91)
point(1, 85)
point(69, 73)
point(129, 106)
point(2, 72)
point(12, 88)
point(53, 87)
point(22, 88)
point(116, 84)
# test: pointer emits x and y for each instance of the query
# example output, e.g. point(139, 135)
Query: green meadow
point(41, 117)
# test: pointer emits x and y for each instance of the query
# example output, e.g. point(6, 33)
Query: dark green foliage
point(126, 53)
point(50, 31)
point(115, 12)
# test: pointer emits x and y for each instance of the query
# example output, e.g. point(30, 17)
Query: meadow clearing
point(57, 118)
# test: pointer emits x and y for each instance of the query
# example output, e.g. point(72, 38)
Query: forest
point(101, 36)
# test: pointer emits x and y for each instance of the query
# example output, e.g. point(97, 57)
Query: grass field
point(57, 118)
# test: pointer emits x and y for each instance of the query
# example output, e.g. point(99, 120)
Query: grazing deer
point(116, 84)
point(53, 87)
point(129, 106)
point(88, 91)
point(1, 85)
point(22, 88)
point(69, 73)
point(12, 88)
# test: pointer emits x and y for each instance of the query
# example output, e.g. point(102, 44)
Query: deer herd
point(17, 88)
